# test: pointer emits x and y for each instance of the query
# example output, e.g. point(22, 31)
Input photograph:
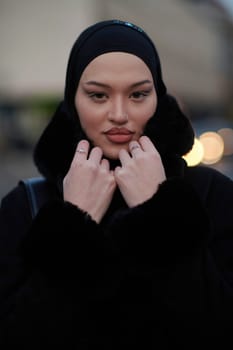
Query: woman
point(135, 249)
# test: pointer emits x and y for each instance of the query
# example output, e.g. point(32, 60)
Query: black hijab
point(169, 129)
point(110, 36)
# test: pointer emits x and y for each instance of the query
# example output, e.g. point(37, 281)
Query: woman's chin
point(113, 153)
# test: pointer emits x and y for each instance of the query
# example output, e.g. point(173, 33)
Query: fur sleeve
point(64, 241)
point(170, 226)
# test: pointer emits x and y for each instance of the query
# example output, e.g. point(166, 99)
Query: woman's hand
point(141, 172)
point(89, 183)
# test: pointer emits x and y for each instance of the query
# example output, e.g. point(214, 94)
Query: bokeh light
point(196, 154)
point(213, 145)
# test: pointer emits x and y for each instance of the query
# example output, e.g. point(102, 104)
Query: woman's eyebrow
point(142, 82)
point(96, 83)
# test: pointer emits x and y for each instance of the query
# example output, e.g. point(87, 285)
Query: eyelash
point(101, 96)
point(97, 95)
point(141, 93)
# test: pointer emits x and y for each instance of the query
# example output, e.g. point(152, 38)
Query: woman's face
point(114, 100)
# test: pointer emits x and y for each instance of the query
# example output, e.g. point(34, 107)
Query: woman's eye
point(139, 94)
point(98, 96)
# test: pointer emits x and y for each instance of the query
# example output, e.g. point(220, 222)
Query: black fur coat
point(156, 276)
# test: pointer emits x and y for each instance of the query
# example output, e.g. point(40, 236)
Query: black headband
point(110, 36)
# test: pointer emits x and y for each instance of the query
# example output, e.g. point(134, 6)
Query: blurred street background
point(194, 39)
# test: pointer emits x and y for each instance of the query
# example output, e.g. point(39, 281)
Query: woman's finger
point(81, 152)
point(135, 148)
point(124, 157)
point(105, 164)
point(95, 155)
point(146, 144)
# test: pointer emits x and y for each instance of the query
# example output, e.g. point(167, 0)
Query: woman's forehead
point(118, 63)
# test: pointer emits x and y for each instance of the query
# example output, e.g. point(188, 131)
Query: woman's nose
point(118, 113)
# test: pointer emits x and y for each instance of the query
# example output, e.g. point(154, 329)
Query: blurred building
point(194, 40)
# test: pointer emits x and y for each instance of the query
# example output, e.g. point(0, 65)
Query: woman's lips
point(116, 135)
point(119, 138)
